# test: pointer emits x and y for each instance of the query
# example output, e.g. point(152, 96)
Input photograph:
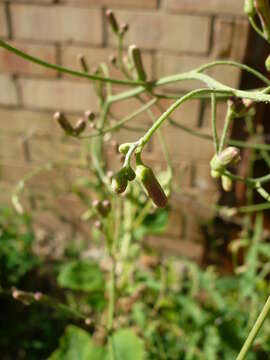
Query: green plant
point(194, 318)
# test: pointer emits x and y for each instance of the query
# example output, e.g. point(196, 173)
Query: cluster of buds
point(117, 29)
point(240, 107)
point(144, 174)
point(78, 128)
point(219, 163)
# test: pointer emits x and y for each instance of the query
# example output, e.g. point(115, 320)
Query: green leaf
point(127, 345)
point(155, 223)
point(81, 276)
point(76, 344)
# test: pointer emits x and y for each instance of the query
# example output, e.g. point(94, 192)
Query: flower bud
point(134, 55)
point(79, 127)
point(215, 174)
point(151, 185)
point(229, 156)
point(124, 28)
point(113, 60)
point(89, 115)
point(120, 181)
point(112, 21)
point(267, 63)
point(249, 8)
point(123, 148)
point(226, 183)
point(83, 63)
point(63, 122)
point(103, 207)
point(130, 173)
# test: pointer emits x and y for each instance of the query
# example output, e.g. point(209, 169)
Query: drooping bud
point(131, 175)
point(79, 127)
point(240, 107)
point(113, 60)
point(134, 55)
point(63, 122)
point(249, 8)
point(229, 156)
point(120, 181)
point(103, 207)
point(106, 205)
point(151, 185)
point(112, 21)
point(123, 148)
point(226, 183)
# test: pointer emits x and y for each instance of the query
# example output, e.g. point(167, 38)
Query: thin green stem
point(254, 331)
point(214, 121)
point(228, 119)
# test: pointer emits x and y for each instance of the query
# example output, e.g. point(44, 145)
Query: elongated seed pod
point(151, 185)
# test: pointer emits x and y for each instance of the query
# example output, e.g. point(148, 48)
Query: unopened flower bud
point(89, 115)
point(215, 174)
point(151, 185)
point(103, 207)
point(98, 225)
point(113, 60)
point(226, 183)
point(120, 181)
point(249, 8)
point(267, 63)
point(123, 148)
point(229, 156)
point(106, 205)
point(112, 21)
point(79, 127)
point(38, 296)
point(63, 122)
point(83, 63)
point(134, 55)
point(124, 28)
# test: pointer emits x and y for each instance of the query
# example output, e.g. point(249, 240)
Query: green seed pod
point(79, 127)
point(112, 21)
point(135, 58)
point(120, 181)
point(123, 148)
point(63, 122)
point(229, 156)
point(226, 183)
point(249, 8)
point(151, 185)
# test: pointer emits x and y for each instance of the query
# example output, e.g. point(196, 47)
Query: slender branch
point(214, 121)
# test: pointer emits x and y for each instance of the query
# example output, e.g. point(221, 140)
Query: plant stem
point(214, 121)
point(254, 331)
point(228, 119)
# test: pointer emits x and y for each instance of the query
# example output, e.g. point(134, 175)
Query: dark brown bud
point(112, 21)
point(120, 181)
point(152, 186)
point(79, 127)
point(124, 28)
point(89, 115)
point(113, 60)
point(63, 122)
point(83, 63)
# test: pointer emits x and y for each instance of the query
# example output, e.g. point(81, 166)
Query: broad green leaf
point(154, 223)
point(127, 346)
point(76, 344)
point(81, 276)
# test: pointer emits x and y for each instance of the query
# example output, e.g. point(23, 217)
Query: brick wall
point(175, 35)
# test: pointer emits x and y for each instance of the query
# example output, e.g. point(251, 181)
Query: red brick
point(3, 22)
point(240, 39)
point(207, 6)
point(168, 64)
point(171, 32)
point(11, 63)
point(223, 34)
point(148, 4)
point(58, 95)
point(57, 23)
point(9, 95)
